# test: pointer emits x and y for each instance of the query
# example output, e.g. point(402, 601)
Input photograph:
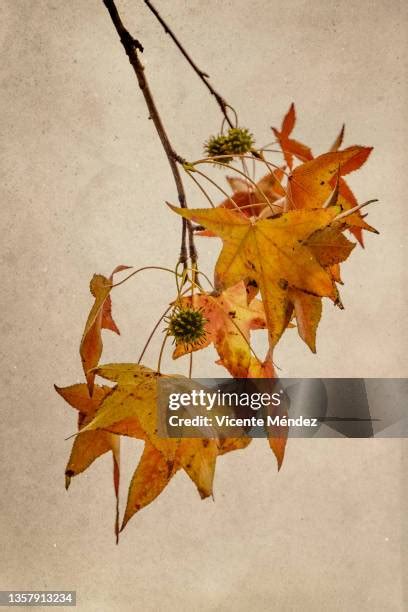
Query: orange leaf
point(99, 318)
point(311, 183)
point(289, 146)
point(229, 322)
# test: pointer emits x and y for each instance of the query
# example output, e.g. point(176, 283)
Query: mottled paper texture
point(83, 185)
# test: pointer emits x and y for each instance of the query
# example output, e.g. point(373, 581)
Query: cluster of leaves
point(283, 240)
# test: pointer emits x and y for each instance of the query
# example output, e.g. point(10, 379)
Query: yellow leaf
point(130, 408)
point(273, 253)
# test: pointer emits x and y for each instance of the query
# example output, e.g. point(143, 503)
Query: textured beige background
point(83, 179)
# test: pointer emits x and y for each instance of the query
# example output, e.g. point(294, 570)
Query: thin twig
point(202, 75)
point(153, 332)
point(131, 47)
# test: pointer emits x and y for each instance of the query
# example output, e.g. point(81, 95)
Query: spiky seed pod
point(236, 142)
point(240, 140)
point(218, 145)
point(187, 325)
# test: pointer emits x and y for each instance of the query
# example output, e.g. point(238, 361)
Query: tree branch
point(131, 47)
point(203, 75)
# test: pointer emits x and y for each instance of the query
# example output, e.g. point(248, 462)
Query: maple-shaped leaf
point(289, 146)
point(89, 446)
point(271, 252)
point(132, 407)
point(229, 322)
point(100, 317)
point(311, 184)
point(153, 473)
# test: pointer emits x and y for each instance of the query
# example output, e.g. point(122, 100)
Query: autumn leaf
point(132, 407)
point(153, 473)
point(89, 446)
point(272, 253)
point(229, 322)
point(311, 184)
point(289, 146)
point(99, 318)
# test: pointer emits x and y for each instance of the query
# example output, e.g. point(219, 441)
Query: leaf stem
point(153, 332)
point(141, 270)
point(201, 188)
point(161, 352)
